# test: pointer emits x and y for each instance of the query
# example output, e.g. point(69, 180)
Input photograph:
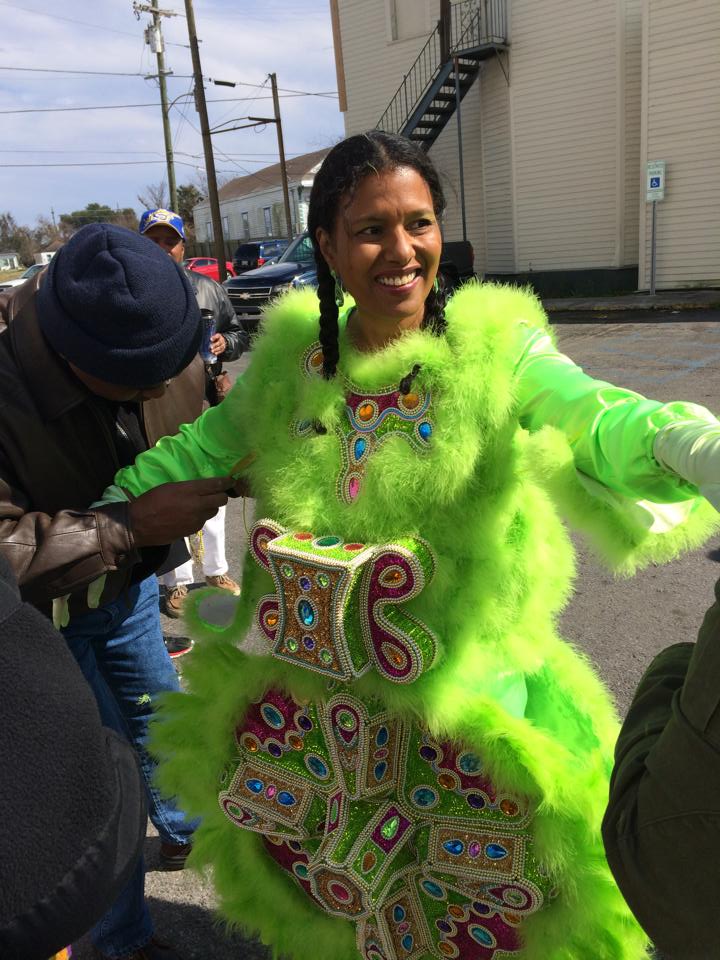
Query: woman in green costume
point(416, 766)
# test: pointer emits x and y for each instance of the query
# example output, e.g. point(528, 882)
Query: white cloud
point(293, 40)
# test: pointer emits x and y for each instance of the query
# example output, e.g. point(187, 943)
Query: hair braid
point(328, 316)
point(434, 319)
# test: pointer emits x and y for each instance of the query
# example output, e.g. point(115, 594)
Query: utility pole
point(154, 39)
point(160, 53)
point(281, 151)
point(201, 107)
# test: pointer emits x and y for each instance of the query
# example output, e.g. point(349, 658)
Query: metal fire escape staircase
point(467, 33)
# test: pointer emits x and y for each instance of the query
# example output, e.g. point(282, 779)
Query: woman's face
point(386, 245)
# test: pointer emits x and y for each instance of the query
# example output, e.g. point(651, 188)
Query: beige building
point(562, 103)
point(252, 207)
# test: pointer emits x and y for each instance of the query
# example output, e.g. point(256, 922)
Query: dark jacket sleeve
point(212, 296)
point(662, 825)
point(54, 555)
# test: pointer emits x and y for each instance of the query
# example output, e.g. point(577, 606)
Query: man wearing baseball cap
point(97, 361)
point(166, 229)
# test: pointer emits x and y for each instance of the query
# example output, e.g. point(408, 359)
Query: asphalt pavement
point(618, 624)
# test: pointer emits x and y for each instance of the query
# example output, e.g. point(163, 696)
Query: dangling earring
point(339, 295)
point(436, 285)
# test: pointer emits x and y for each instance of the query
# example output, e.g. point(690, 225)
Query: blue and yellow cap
point(162, 217)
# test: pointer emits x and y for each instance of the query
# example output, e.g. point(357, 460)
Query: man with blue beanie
point(98, 360)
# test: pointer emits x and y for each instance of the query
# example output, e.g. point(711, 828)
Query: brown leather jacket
point(57, 455)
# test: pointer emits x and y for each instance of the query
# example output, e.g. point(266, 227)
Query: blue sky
point(240, 41)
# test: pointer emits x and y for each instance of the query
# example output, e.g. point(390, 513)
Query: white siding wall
point(630, 104)
point(375, 65)
point(681, 125)
point(445, 156)
point(496, 147)
point(564, 77)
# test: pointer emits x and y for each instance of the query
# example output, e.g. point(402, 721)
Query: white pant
point(213, 562)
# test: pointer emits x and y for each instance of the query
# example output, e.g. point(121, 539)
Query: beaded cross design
point(370, 420)
point(383, 825)
point(337, 606)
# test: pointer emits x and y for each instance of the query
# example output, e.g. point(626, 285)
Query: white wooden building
point(563, 103)
point(9, 260)
point(252, 207)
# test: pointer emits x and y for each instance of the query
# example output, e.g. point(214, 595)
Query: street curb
point(627, 306)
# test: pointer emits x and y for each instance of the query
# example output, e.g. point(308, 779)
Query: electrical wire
point(126, 106)
point(104, 163)
point(82, 23)
point(175, 76)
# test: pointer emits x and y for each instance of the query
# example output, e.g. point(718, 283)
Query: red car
point(208, 266)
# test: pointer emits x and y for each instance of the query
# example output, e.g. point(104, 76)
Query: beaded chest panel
point(337, 609)
point(385, 826)
point(370, 420)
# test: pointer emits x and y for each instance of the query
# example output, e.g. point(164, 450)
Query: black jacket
point(57, 455)
point(72, 802)
point(662, 825)
point(211, 296)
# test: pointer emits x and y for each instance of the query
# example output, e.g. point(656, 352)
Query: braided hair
point(343, 169)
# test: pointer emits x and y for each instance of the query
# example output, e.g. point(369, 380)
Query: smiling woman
point(416, 767)
point(385, 246)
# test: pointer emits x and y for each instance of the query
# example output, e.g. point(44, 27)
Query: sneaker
point(224, 582)
point(174, 855)
point(154, 949)
point(174, 600)
point(177, 646)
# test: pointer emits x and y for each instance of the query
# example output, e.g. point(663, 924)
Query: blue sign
point(654, 181)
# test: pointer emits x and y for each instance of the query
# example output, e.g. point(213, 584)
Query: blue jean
point(120, 650)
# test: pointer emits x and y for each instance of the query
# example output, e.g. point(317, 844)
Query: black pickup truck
point(296, 267)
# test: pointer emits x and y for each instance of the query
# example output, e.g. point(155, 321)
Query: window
point(226, 227)
point(209, 231)
point(267, 214)
point(246, 224)
point(407, 19)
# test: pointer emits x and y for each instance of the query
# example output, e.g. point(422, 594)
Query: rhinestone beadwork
point(390, 828)
point(374, 833)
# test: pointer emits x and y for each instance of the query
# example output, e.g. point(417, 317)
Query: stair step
point(468, 71)
point(432, 124)
point(450, 85)
point(421, 136)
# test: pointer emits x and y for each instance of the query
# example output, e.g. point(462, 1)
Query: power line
point(129, 106)
point(113, 153)
point(88, 73)
point(176, 76)
point(82, 23)
point(104, 163)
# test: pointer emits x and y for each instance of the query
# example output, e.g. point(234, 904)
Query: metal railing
point(472, 24)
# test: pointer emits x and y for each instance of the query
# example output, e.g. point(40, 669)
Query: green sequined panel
point(338, 607)
point(383, 825)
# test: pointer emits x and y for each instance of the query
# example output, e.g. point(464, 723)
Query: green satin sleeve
point(610, 430)
point(212, 446)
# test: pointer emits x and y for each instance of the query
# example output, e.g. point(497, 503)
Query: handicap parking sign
point(655, 183)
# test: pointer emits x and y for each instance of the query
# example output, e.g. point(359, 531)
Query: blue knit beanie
point(119, 308)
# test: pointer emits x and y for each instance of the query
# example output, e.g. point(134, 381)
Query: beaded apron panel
point(370, 420)
point(337, 609)
point(382, 825)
